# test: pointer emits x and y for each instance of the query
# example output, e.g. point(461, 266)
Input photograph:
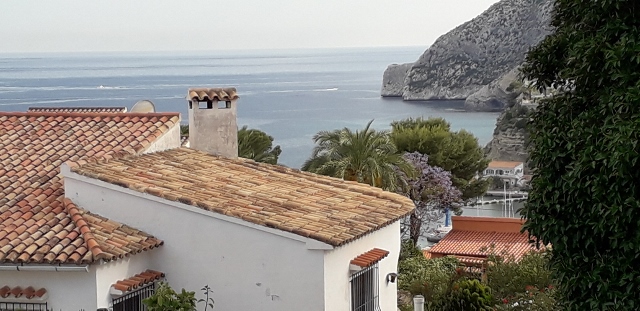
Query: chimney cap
point(212, 94)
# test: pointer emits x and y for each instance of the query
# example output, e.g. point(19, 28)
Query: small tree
point(257, 145)
point(431, 190)
point(455, 151)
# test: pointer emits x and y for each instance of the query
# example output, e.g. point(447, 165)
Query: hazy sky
point(159, 25)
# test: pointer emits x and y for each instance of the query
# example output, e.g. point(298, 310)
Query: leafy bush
point(431, 278)
point(506, 277)
point(470, 295)
point(166, 299)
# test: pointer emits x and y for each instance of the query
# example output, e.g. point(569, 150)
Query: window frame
point(365, 289)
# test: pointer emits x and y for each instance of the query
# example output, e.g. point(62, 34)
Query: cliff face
point(477, 52)
point(495, 95)
point(509, 136)
point(393, 79)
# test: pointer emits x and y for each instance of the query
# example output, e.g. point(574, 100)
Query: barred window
point(133, 301)
point(364, 289)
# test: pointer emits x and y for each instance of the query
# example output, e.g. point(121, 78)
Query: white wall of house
point(111, 272)
point(170, 140)
point(337, 274)
point(249, 267)
point(67, 291)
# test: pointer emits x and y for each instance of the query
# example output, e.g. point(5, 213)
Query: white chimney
point(213, 127)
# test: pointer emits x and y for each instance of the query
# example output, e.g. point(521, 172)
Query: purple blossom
point(431, 190)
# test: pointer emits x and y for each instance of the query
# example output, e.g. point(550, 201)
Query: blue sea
point(290, 94)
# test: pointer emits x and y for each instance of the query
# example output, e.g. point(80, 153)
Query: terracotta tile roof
point(79, 109)
point(470, 243)
point(503, 164)
point(36, 226)
point(138, 280)
point(212, 94)
point(326, 209)
point(19, 292)
point(369, 258)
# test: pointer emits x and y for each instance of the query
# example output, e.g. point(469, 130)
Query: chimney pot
point(213, 126)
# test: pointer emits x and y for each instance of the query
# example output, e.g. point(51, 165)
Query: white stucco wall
point(67, 291)
point(170, 140)
point(337, 274)
point(247, 266)
point(111, 272)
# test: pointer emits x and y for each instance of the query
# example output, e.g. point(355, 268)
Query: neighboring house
point(473, 239)
point(508, 171)
point(264, 237)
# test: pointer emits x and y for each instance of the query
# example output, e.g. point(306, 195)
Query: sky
point(159, 25)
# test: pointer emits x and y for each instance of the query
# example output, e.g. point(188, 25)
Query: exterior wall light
point(392, 277)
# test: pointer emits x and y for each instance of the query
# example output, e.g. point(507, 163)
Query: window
point(133, 301)
point(364, 289)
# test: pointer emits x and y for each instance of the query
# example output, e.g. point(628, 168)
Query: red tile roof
point(79, 109)
point(369, 258)
point(322, 208)
point(36, 226)
point(212, 94)
point(470, 243)
point(19, 292)
point(503, 164)
point(138, 280)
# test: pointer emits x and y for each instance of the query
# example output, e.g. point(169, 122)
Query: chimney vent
point(213, 127)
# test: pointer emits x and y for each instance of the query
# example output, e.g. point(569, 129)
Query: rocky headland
point(477, 54)
point(510, 135)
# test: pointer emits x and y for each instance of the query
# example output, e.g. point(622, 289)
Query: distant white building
point(510, 171)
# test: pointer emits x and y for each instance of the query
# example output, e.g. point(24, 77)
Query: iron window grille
point(133, 301)
point(15, 306)
point(365, 290)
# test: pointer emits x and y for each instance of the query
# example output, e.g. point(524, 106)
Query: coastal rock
point(474, 54)
point(393, 79)
point(510, 135)
point(496, 95)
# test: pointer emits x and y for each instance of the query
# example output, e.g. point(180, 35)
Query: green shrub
point(166, 299)
point(470, 295)
point(507, 277)
point(431, 278)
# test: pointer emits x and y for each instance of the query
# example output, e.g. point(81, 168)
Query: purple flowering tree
point(431, 191)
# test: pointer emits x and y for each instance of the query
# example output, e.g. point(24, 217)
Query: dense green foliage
point(585, 197)
point(470, 295)
point(166, 299)
point(367, 156)
point(509, 284)
point(456, 152)
point(257, 145)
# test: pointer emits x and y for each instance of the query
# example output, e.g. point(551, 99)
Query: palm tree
point(257, 145)
point(366, 156)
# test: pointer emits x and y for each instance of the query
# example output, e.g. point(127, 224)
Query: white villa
point(509, 171)
point(98, 206)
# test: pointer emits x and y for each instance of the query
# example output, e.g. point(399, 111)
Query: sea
point(289, 94)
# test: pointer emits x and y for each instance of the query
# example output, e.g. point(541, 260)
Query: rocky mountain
point(474, 54)
point(510, 135)
point(393, 79)
point(496, 95)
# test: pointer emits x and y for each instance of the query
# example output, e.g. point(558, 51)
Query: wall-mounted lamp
point(392, 277)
